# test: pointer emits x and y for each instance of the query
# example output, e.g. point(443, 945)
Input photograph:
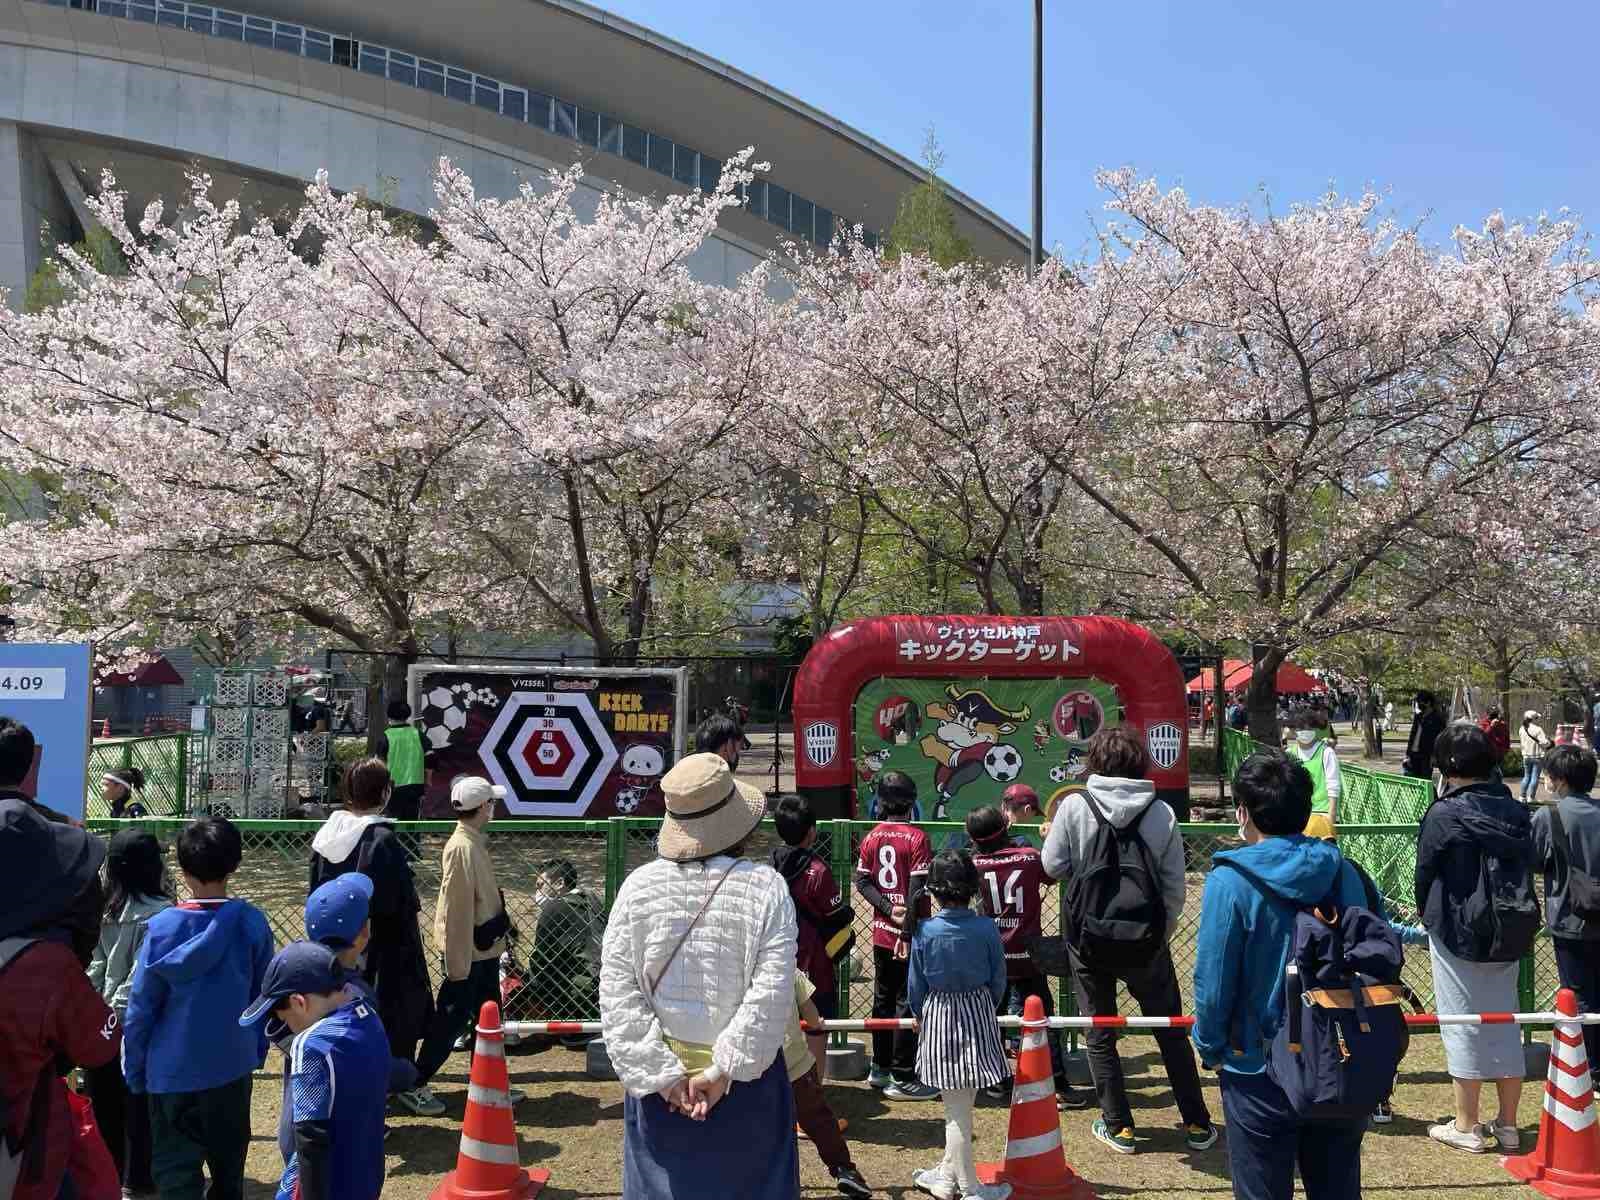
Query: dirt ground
point(571, 1125)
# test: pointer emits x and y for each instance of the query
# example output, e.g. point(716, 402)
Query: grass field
point(572, 1125)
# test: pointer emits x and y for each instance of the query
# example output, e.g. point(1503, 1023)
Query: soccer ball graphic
point(628, 799)
point(1003, 763)
point(1058, 773)
point(444, 713)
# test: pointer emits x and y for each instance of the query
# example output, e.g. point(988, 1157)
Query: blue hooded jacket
point(201, 965)
point(1246, 924)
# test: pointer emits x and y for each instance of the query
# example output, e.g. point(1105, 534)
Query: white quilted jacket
point(731, 986)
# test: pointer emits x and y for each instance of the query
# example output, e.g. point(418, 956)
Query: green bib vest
point(405, 755)
point(1316, 765)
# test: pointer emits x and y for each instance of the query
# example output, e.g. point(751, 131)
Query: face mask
point(1243, 819)
point(1305, 736)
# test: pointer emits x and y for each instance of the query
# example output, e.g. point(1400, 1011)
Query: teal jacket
point(111, 969)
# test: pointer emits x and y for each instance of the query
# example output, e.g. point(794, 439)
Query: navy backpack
point(1343, 1033)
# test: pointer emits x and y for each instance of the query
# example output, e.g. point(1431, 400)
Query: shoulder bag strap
point(693, 921)
point(1559, 846)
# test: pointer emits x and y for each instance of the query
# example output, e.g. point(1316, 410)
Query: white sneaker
point(1509, 1137)
point(988, 1191)
point(421, 1101)
point(936, 1183)
point(1474, 1141)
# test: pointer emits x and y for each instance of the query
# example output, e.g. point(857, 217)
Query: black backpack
point(1583, 889)
point(1502, 914)
point(1113, 914)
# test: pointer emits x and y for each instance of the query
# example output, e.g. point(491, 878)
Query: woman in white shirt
point(1533, 742)
point(696, 993)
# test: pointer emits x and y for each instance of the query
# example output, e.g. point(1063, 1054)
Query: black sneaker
point(1069, 1098)
point(850, 1183)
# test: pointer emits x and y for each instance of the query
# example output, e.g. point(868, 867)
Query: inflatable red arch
point(1147, 677)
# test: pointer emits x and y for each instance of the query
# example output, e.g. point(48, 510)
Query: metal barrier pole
point(840, 861)
point(616, 857)
point(181, 790)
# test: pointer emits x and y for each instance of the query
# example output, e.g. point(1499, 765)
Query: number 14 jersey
point(1011, 883)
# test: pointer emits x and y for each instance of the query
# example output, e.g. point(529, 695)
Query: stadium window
point(685, 166)
point(112, 8)
point(800, 214)
point(228, 25)
point(755, 197)
point(170, 14)
point(430, 76)
point(566, 118)
point(588, 127)
point(539, 110)
point(319, 45)
point(486, 94)
point(402, 68)
point(458, 84)
point(374, 61)
point(710, 173)
point(513, 103)
point(258, 31)
point(661, 154)
point(610, 135)
point(778, 206)
point(143, 10)
point(823, 233)
point(288, 37)
point(198, 19)
point(634, 144)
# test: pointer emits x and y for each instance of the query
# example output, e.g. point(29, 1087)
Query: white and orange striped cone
point(1035, 1165)
point(487, 1167)
point(1566, 1162)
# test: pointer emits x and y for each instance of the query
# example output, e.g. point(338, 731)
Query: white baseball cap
point(470, 793)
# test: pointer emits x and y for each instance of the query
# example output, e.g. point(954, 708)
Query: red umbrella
point(156, 672)
point(1236, 673)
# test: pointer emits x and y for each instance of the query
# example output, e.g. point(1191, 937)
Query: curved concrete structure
point(149, 87)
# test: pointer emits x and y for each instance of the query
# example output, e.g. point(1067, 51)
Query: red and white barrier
point(888, 1024)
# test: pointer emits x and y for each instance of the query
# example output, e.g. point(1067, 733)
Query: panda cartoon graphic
point(641, 766)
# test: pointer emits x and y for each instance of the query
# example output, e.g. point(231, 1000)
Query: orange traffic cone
point(1566, 1162)
point(487, 1167)
point(105, 728)
point(1035, 1166)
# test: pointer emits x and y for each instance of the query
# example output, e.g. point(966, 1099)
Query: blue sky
point(1454, 107)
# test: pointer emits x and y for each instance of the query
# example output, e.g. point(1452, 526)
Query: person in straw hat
point(696, 986)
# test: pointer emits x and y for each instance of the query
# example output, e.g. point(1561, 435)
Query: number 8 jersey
point(890, 855)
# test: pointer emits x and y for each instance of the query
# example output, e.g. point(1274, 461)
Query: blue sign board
point(49, 688)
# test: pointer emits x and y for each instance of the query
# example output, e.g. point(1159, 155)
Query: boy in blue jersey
point(201, 961)
point(339, 1073)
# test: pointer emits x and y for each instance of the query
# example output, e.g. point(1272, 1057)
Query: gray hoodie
point(111, 968)
point(1580, 817)
point(1121, 800)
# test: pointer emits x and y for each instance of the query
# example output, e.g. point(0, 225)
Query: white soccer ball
point(1058, 773)
point(441, 698)
point(438, 737)
point(1003, 763)
point(454, 718)
point(628, 800)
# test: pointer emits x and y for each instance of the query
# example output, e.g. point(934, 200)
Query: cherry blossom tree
point(1323, 398)
point(613, 385)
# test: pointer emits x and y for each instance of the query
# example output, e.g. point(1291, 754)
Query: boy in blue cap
point(339, 1069)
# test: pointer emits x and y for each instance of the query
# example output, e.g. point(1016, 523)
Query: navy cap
point(337, 910)
point(300, 968)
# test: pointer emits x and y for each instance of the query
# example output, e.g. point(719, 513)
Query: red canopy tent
point(1236, 673)
point(155, 672)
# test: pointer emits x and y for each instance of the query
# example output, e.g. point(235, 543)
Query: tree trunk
point(1030, 579)
point(1500, 662)
point(1261, 697)
point(395, 686)
point(1369, 725)
point(376, 719)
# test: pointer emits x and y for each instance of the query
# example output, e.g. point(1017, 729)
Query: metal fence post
point(1526, 1000)
point(840, 863)
point(616, 857)
point(182, 783)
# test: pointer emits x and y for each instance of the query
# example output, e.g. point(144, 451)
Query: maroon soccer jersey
point(890, 855)
point(1010, 889)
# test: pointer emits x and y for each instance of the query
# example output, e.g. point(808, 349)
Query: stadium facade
point(263, 97)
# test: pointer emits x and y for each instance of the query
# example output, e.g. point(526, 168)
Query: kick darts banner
point(563, 742)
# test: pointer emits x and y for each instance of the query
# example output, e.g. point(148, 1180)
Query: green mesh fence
point(167, 761)
point(560, 878)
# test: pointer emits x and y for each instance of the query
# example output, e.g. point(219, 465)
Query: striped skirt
point(959, 1043)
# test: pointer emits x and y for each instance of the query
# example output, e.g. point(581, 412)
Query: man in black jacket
point(1425, 729)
